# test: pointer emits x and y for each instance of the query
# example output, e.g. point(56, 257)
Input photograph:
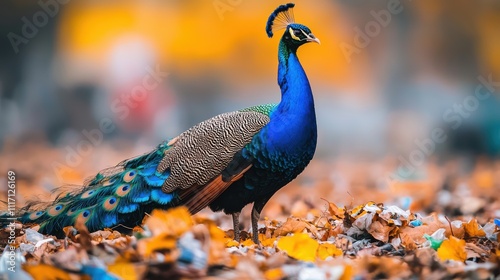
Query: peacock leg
point(257, 208)
point(236, 226)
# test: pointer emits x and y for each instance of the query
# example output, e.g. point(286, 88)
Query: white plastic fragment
point(33, 236)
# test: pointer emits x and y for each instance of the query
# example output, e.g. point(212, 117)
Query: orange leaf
point(173, 222)
point(274, 274)
point(473, 229)
point(335, 211)
point(326, 250)
point(46, 272)
point(158, 243)
point(299, 246)
point(348, 273)
point(452, 249)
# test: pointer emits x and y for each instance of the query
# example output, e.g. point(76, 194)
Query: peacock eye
point(297, 33)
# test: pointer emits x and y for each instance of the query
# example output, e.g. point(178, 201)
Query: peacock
point(225, 162)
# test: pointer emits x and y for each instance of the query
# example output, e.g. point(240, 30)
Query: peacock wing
point(204, 160)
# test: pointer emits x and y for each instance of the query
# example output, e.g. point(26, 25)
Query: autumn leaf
point(247, 243)
point(452, 249)
point(46, 272)
point(291, 225)
point(173, 222)
point(299, 246)
point(335, 211)
point(473, 229)
point(326, 250)
point(125, 270)
point(162, 242)
point(380, 231)
point(231, 242)
point(267, 242)
point(274, 274)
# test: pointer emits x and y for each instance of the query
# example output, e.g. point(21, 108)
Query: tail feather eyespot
point(109, 182)
point(36, 215)
point(123, 190)
point(84, 215)
point(88, 194)
point(129, 176)
point(56, 209)
point(111, 203)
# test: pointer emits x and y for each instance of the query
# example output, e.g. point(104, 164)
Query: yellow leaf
point(274, 274)
point(247, 243)
point(231, 242)
point(46, 272)
point(158, 243)
point(216, 233)
point(326, 250)
point(124, 270)
point(473, 229)
point(452, 249)
point(299, 246)
point(173, 222)
point(267, 242)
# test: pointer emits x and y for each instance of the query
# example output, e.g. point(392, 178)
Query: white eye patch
point(290, 30)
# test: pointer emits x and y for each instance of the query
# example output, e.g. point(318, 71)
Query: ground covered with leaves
point(336, 221)
point(367, 241)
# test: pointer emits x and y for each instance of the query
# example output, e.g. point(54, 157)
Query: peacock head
point(295, 34)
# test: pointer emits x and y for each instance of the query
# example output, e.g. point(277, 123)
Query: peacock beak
point(311, 38)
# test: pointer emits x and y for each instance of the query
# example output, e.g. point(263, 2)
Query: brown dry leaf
point(335, 211)
point(474, 251)
point(452, 249)
point(407, 242)
point(46, 272)
point(172, 222)
point(473, 229)
point(380, 231)
point(83, 237)
point(326, 250)
point(291, 225)
point(299, 246)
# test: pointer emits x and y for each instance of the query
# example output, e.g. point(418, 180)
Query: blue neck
point(296, 92)
point(293, 123)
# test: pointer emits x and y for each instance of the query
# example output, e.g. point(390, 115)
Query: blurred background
point(86, 84)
